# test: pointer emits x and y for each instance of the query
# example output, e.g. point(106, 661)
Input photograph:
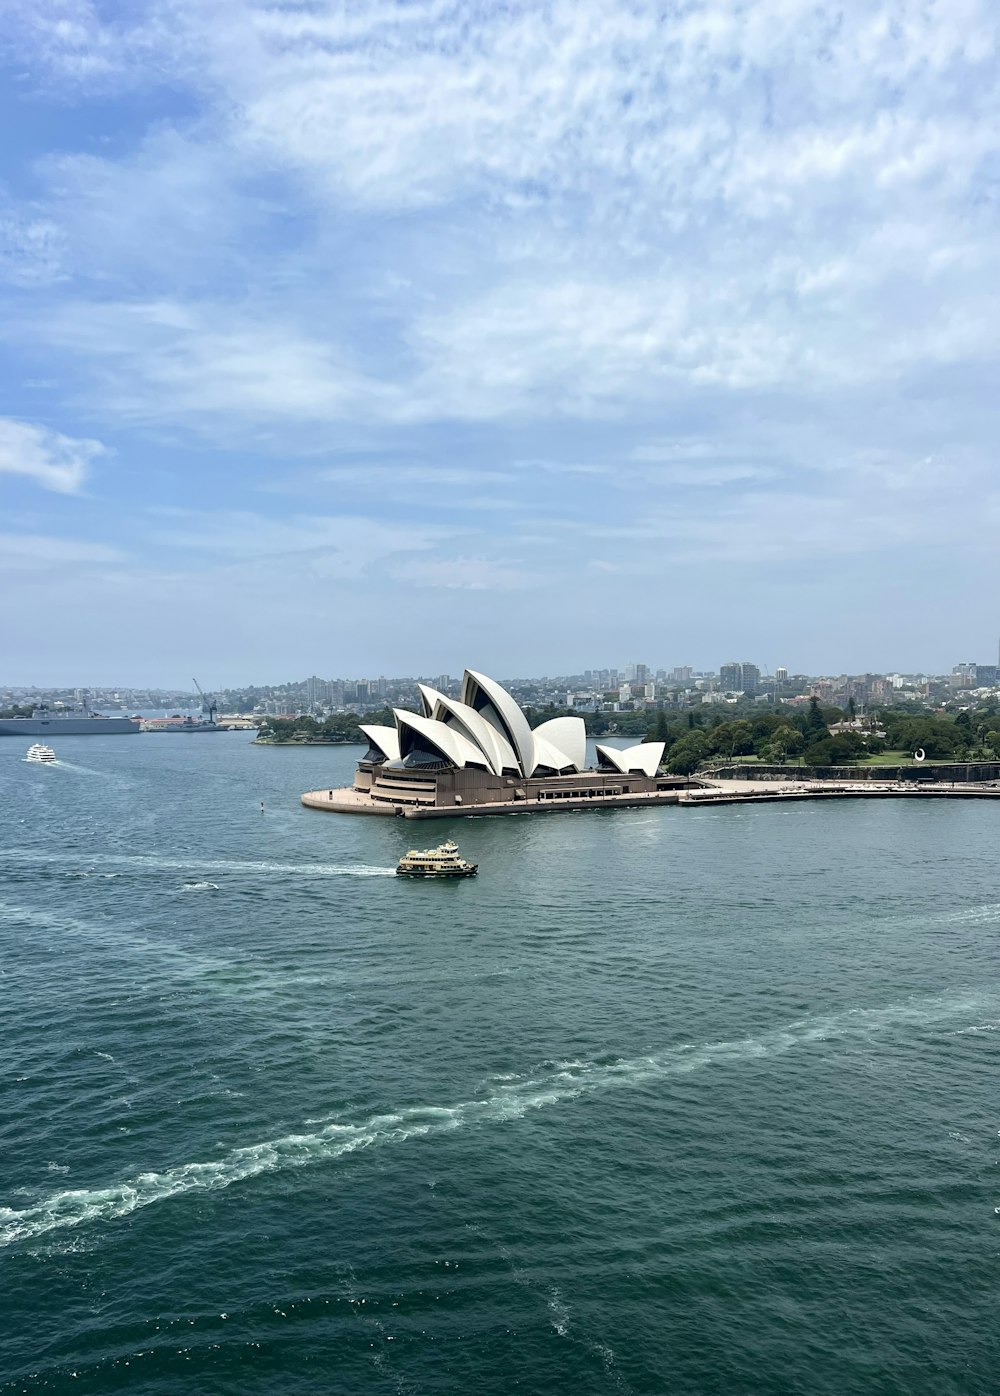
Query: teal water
point(676, 1100)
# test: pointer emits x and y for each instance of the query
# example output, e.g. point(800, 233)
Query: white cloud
point(224, 370)
point(467, 574)
point(598, 207)
point(34, 552)
point(31, 248)
point(702, 282)
point(327, 545)
point(54, 461)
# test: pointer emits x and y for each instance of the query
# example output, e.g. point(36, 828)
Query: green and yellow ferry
point(443, 861)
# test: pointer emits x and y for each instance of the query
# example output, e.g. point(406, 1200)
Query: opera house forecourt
point(477, 755)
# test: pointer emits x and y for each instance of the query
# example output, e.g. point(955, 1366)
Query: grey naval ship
point(59, 722)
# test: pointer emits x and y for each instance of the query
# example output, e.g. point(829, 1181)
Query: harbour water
point(664, 1101)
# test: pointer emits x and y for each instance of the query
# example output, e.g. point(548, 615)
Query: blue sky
point(387, 338)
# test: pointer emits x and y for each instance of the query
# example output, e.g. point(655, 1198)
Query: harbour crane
point(208, 704)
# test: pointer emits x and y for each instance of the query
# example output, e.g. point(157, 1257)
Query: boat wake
point(503, 1100)
point(84, 770)
point(149, 863)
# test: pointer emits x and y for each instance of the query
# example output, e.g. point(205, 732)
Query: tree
point(939, 739)
point(784, 741)
point(847, 746)
point(740, 739)
point(831, 751)
point(834, 751)
point(820, 753)
point(815, 725)
point(687, 754)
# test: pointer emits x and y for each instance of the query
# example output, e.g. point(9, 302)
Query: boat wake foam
point(150, 863)
point(508, 1098)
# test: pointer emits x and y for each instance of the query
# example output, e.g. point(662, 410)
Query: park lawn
point(901, 758)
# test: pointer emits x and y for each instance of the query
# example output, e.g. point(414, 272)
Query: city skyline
point(635, 679)
point(534, 324)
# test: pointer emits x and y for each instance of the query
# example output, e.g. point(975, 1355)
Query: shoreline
point(322, 741)
point(347, 800)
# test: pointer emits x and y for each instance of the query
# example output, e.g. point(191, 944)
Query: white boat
point(443, 861)
point(38, 752)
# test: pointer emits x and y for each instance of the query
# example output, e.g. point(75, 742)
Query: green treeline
point(779, 737)
point(696, 738)
point(339, 727)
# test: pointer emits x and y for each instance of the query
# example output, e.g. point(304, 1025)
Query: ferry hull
point(459, 872)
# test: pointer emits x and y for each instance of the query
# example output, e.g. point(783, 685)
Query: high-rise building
point(739, 677)
point(781, 675)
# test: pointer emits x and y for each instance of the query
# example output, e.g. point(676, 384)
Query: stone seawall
point(350, 801)
point(948, 773)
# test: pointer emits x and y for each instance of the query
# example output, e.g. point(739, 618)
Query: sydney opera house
point(477, 755)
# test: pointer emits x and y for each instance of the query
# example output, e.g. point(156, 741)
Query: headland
point(478, 755)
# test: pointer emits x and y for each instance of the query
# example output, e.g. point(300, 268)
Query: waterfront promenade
point(702, 791)
point(731, 792)
point(351, 801)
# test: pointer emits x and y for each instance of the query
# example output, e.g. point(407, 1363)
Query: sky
point(372, 337)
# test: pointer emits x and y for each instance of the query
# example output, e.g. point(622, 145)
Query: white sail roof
point(429, 697)
point(492, 741)
point(486, 728)
point(384, 739)
point(549, 758)
point(453, 746)
point(643, 759)
point(499, 709)
point(569, 736)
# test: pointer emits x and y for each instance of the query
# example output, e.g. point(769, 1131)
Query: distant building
point(739, 677)
point(781, 675)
